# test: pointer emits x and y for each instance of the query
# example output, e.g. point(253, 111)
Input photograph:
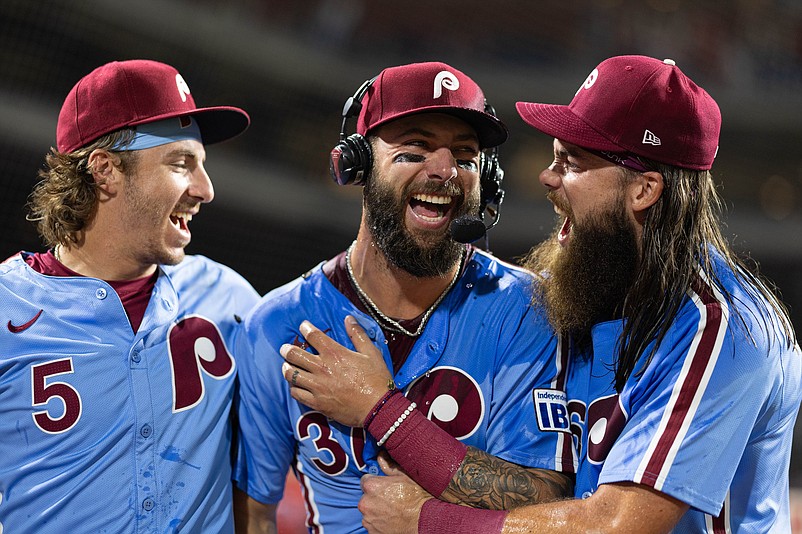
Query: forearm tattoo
point(484, 481)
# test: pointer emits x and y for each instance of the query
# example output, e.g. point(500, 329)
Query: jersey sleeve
point(265, 442)
point(692, 413)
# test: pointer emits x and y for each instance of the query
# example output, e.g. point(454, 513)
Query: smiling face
point(592, 256)
point(425, 175)
point(160, 194)
point(580, 184)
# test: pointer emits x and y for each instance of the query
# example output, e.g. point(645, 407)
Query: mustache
point(187, 206)
point(436, 187)
point(560, 203)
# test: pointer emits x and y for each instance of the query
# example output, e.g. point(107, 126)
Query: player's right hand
point(341, 383)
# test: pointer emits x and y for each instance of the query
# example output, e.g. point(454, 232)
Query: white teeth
point(177, 216)
point(431, 199)
point(182, 215)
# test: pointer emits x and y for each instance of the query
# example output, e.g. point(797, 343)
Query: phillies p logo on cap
point(123, 94)
point(428, 87)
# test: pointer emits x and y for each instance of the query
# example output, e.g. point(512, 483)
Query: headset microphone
point(467, 229)
point(470, 228)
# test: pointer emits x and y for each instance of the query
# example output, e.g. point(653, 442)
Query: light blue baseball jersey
point(107, 430)
point(710, 420)
point(484, 366)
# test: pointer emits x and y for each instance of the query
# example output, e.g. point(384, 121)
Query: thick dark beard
point(424, 255)
point(587, 282)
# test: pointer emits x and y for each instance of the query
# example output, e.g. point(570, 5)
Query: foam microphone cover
point(467, 229)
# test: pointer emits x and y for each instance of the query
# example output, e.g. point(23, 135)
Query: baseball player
point(460, 341)
point(684, 382)
point(116, 370)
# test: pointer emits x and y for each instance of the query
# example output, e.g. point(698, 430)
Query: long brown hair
point(681, 234)
point(65, 199)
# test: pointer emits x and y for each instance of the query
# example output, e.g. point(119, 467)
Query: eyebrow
point(181, 152)
point(577, 153)
point(429, 134)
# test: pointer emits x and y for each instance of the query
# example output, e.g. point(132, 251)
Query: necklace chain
point(391, 323)
point(56, 253)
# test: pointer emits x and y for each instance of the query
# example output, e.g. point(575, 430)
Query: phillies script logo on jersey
point(451, 399)
point(196, 349)
point(603, 422)
point(448, 396)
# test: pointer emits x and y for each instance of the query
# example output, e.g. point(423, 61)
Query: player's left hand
point(341, 383)
point(391, 504)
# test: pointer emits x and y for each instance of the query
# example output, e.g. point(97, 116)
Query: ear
point(103, 166)
point(644, 191)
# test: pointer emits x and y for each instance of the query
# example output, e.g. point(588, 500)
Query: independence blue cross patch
point(551, 407)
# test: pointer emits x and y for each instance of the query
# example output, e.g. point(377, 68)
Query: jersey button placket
point(135, 354)
point(148, 504)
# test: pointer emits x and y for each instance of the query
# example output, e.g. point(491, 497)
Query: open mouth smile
point(565, 231)
point(180, 220)
point(431, 208)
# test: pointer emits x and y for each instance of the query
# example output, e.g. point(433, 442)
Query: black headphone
point(351, 159)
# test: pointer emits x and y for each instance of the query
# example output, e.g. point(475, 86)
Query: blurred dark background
point(291, 64)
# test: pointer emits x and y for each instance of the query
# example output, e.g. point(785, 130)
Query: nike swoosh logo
point(14, 329)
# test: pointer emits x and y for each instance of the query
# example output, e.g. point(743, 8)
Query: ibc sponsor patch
point(552, 410)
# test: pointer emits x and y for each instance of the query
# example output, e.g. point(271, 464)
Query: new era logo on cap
point(428, 88)
point(124, 94)
point(650, 139)
point(624, 101)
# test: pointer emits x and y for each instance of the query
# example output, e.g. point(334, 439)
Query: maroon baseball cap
point(126, 93)
point(429, 88)
point(640, 105)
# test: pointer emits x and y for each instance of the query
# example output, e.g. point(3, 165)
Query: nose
point(200, 186)
point(442, 164)
point(549, 178)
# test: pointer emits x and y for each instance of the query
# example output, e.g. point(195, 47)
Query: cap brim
point(216, 124)
point(560, 122)
point(490, 130)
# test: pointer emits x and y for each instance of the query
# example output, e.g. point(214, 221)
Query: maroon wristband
point(438, 517)
point(378, 406)
point(427, 453)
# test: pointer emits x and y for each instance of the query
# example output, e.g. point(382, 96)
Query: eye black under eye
point(408, 157)
point(467, 164)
